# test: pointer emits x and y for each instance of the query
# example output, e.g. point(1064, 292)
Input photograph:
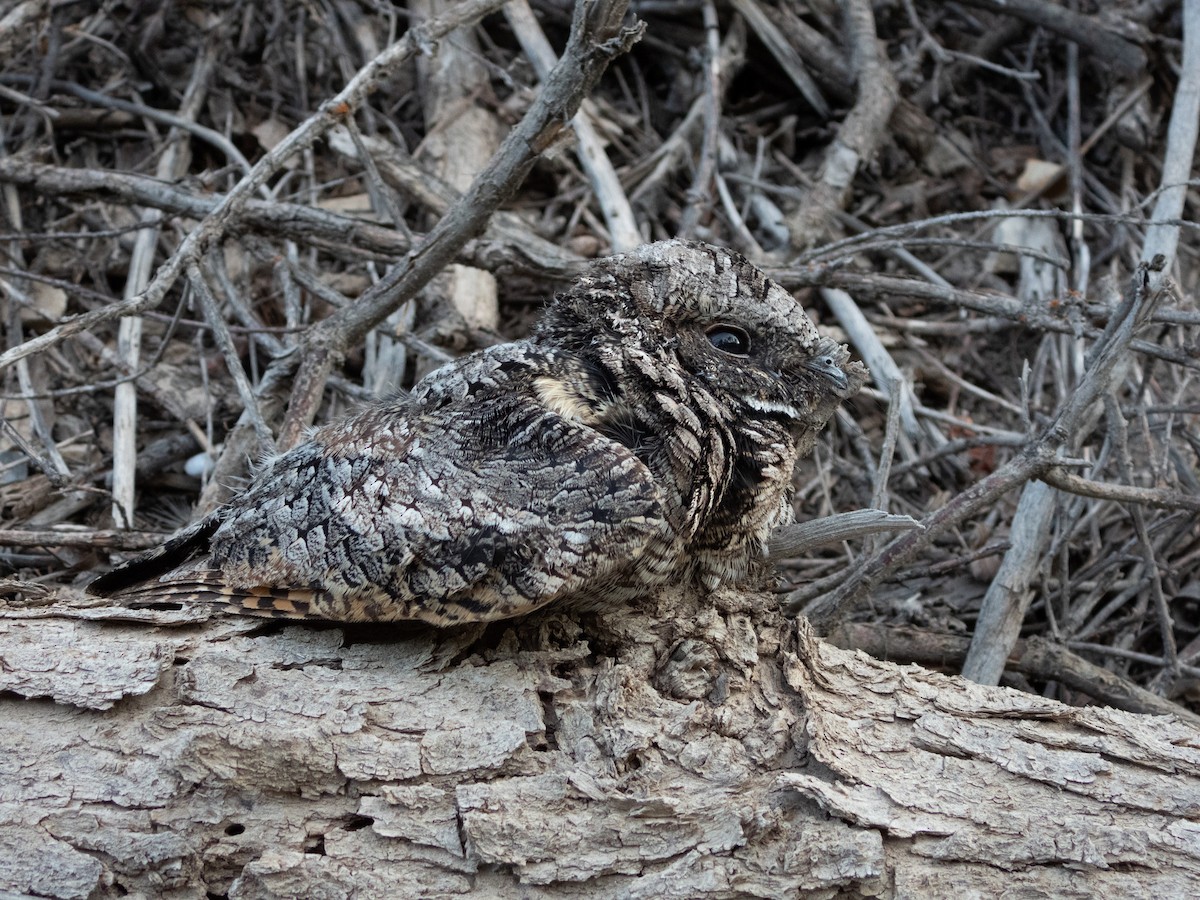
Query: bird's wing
point(449, 516)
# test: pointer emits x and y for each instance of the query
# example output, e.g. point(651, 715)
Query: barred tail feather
point(209, 586)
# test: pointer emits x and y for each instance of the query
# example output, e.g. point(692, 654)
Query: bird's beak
point(827, 362)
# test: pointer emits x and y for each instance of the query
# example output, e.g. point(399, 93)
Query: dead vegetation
point(225, 222)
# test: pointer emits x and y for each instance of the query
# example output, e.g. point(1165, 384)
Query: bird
point(645, 432)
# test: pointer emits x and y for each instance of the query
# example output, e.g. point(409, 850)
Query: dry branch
point(224, 758)
point(1036, 457)
point(1007, 600)
point(226, 213)
point(859, 136)
point(1083, 30)
point(597, 36)
point(508, 245)
point(618, 215)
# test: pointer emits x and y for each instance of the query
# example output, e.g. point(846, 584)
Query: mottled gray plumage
point(646, 431)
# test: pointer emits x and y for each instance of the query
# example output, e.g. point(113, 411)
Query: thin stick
point(800, 538)
point(229, 209)
point(1007, 599)
point(1111, 49)
point(233, 363)
point(700, 193)
point(860, 134)
point(1155, 498)
point(1037, 457)
point(84, 538)
point(614, 205)
point(777, 45)
point(1162, 237)
point(597, 37)
point(141, 261)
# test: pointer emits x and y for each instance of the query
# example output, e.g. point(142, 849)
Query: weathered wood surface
point(676, 749)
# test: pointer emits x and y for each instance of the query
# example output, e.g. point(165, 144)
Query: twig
point(1008, 596)
point(141, 262)
point(614, 205)
point(1038, 456)
point(228, 211)
point(509, 244)
point(381, 197)
point(1166, 628)
point(51, 465)
point(1162, 237)
point(849, 245)
point(883, 368)
point(181, 122)
point(887, 453)
point(742, 238)
point(51, 461)
point(672, 153)
point(800, 538)
point(597, 37)
point(1007, 599)
point(84, 538)
point(826, 60)
point(860, 134)
point(994, 304)
point(233, 363)
point(699, 195)
point(1155, 498)
point(1109, 48)
point(778, 46)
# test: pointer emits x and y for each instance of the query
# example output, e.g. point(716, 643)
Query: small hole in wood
point(354, 823)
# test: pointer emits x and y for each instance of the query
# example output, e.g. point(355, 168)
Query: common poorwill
point(646, 432)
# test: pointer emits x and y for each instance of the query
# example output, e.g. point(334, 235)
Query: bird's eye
point(729, 339)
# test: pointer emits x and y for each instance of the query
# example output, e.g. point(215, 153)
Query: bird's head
point(705, 317)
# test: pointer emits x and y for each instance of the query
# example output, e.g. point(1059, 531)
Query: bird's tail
point(199, 586)
point(176, 551)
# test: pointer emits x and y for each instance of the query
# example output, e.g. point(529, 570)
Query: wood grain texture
point(690, 745)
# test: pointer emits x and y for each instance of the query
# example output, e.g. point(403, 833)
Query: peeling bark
point(682, 747)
